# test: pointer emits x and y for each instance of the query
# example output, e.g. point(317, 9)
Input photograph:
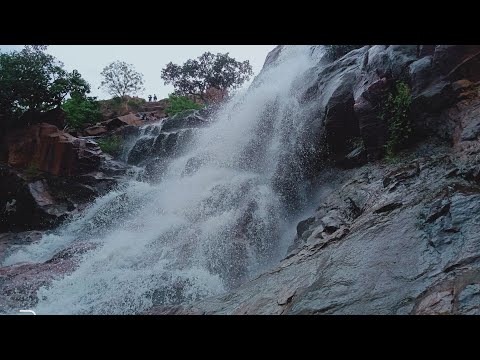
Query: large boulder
point(458, 61)
point(31, 199)
point(42, 147)
point(27, 204)
point(165, 140)
point(119, 121)
point(183, 120)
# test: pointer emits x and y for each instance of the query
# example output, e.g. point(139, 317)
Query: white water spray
point(194, 234)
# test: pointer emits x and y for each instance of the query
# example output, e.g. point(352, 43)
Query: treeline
point(33, 81)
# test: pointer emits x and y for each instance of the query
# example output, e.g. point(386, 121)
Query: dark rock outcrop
point(36, 200)
point(163, 141)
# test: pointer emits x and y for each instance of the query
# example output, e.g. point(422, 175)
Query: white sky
point(149, 60)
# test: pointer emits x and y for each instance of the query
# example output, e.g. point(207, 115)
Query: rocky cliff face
point(387, 237)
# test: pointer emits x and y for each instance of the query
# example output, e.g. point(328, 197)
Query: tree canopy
point(120, 79)
point(196, 76)
point(31, 79)
point(81, 110)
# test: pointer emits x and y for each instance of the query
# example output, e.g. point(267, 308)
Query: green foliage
point(81, 110)
point(195, 76)
point(120, 79)
point(178, 104)
point(136, 103)
point(396, 111)
point(337, 51)
point(111, 145)
point(33, 80)
point(32, 171)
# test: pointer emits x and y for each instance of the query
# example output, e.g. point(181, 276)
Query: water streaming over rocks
point(210, 206)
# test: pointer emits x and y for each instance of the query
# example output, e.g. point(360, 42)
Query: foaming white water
point(194, 234)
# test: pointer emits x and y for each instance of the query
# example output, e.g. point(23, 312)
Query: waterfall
point(220, 214)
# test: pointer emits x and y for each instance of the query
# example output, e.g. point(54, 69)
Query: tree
point(120, 79)
point(81, 110)
point(30, 79)
point(195, 77)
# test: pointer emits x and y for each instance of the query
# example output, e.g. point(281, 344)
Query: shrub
point(111, 145)
point(178, 104)
point(81, 110)
point(32, 171)
point(396, 111)
point(337, 51)
point(135, 103)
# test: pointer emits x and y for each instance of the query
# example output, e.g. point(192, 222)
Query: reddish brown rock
point(129, 119)
point(43, 147)
point(96, 130)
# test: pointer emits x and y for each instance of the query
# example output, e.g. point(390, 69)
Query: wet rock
point(355, 158)
point(438, 303)
point(388, 207)
point(401, 174)
point(439, 208)
point(19, 283)
point(304, 225)
point(98, 181)
point(10, 240)
point(401, 262)
point(332, 221)
point(27, 204)
point(183, 120)
point(141, 150)
point(420, 73)
point(472, 131)
point(469, 300)
point(154, 169)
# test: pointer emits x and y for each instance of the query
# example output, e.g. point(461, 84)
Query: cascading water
point(202, 229)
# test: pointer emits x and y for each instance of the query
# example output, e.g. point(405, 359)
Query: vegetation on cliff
point(196, 76)
point(396, 111)
point(111, 145)
point(81, 110)
point(179, 104)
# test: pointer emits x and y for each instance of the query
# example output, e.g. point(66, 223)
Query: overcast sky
point(89, 60)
